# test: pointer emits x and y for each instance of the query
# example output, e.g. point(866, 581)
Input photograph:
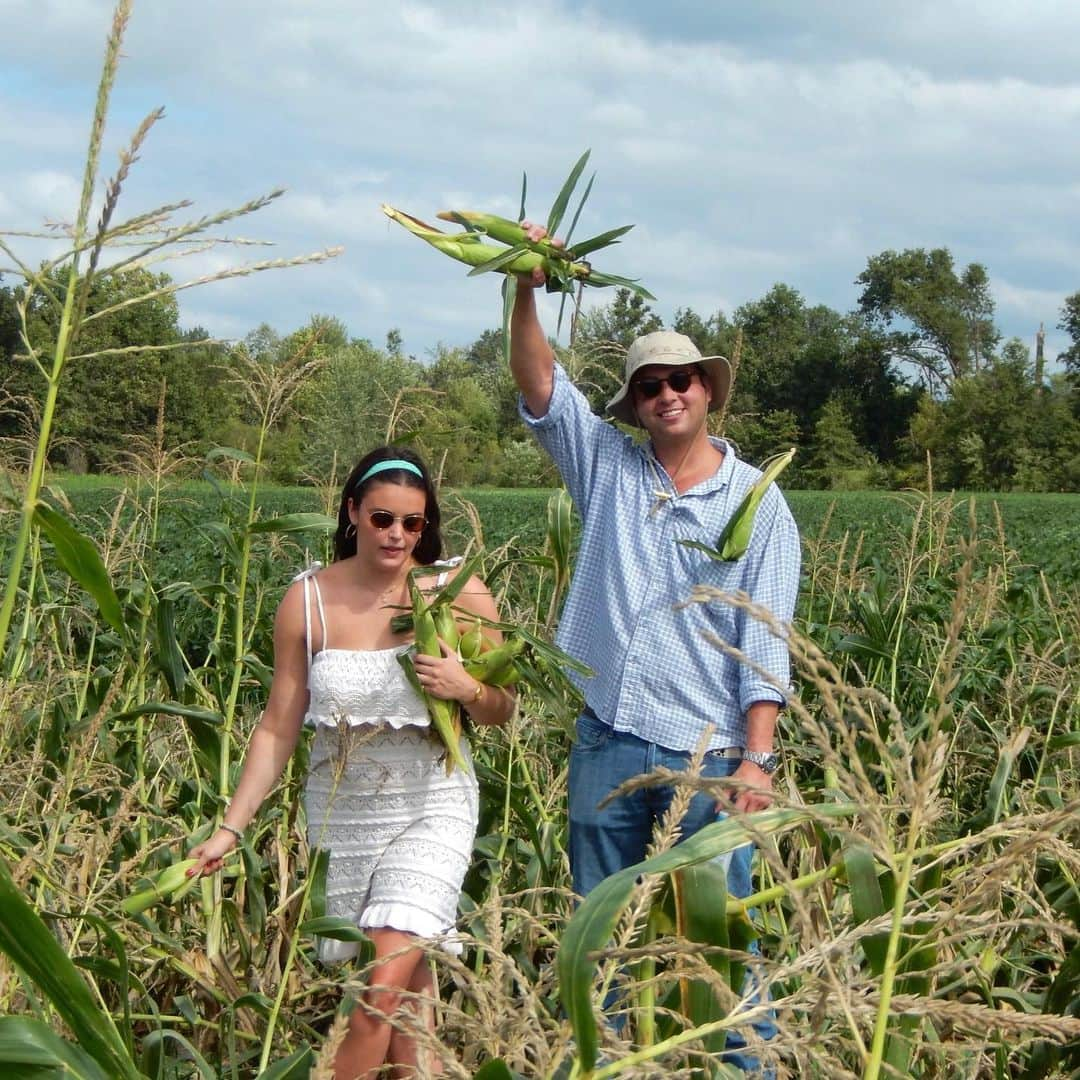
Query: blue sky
point(750, 144)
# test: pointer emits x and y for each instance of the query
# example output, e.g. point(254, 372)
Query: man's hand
point(756, 795)
point(536, 277)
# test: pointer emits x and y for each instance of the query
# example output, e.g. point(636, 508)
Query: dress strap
point(322, 611)
point(306, 575)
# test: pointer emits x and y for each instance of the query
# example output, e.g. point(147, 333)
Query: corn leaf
point(80, 559)
point(558, 208)
point(28, 942)
point(205, 726)
point(333, 926)
point(154, 1061)
point(596, 278)
point(503, 259)
point(591, 926)
point(867, 901)
point(463, 221)
point(229, 453)
point(29, 1048)
point(524, 189)
point(167, 652)
point(496, 1069)
point(595, 243)
point(291, 523)
point(319, 864)
point(297, 1066)
point(509, 295)
point(580, 207)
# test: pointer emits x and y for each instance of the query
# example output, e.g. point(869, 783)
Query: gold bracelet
point(478, 695)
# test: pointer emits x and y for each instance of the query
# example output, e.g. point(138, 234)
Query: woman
point(398, 829)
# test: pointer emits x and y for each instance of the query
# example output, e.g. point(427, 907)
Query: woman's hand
point(444, 677)
point(211, 853)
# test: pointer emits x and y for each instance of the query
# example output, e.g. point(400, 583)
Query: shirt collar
point(719, 479)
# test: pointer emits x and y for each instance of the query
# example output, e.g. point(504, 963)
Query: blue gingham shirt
point(655, 673)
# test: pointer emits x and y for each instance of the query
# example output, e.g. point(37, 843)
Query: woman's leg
point(365, 1048)
point(406, 1051)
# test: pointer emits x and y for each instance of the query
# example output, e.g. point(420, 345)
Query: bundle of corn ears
point(515, 253)
point(522, 656)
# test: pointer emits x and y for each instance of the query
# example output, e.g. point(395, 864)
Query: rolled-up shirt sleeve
point(771, 579)
point(573, 436)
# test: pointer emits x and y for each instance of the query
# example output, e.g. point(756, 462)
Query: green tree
point(107, 395)
point(9, 324)
point(938, 320)
point(627, 316)
point(797, 357)
point(836, 458)
point(360, 398)
point(982, 433)
point(1070, 323)
point(201, 394)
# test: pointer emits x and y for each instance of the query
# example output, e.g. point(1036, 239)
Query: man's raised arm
point(532, 363)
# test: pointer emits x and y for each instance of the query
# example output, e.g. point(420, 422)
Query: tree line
point(918, 369)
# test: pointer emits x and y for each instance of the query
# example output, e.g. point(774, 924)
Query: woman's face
point(388, 520)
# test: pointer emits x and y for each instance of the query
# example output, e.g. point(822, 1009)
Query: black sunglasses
point(411, 523)
point(679, 381)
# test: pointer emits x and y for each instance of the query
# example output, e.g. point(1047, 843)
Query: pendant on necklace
point(660, 497)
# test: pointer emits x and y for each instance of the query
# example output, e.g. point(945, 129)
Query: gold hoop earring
point(350, 531)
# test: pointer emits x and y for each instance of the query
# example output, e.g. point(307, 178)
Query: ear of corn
point(735, 538)
point(510, 233)
point(473, 642)
point(445, 715)
point(445, 623)
point(466, 247)
point(172, 883)
point(497, 663)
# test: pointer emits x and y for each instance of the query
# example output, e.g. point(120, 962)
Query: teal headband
point(392, 463)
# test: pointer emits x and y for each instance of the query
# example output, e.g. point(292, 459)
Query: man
point(658, 682)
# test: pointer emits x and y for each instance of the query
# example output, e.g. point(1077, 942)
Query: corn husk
point(735, 538)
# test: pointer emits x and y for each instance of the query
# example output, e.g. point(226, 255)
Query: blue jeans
point(603, 841)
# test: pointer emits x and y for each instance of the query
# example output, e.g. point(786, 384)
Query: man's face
point(671, 402)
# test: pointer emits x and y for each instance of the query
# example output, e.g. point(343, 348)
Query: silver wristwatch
point(765, 760)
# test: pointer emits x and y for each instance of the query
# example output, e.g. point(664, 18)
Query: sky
point(749, 144)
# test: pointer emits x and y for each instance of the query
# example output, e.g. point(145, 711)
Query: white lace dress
point(399, 830)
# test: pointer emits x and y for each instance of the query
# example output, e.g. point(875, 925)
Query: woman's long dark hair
point(430, 546)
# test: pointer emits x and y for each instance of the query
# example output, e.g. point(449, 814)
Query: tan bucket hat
point(672, 350)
